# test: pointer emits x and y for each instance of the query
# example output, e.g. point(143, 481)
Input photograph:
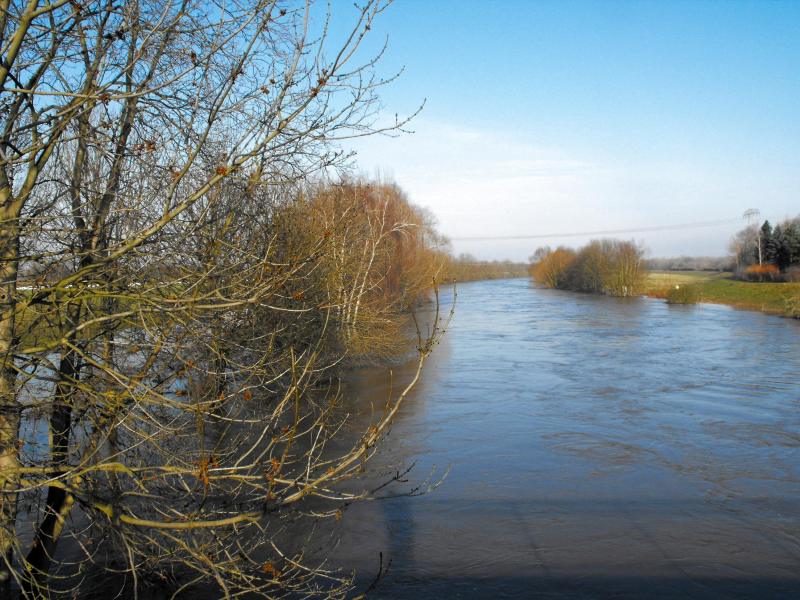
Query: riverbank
point(719, 288)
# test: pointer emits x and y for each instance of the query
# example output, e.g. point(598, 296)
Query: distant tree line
point(767, 253)
point(691, 263)
point(611, 267)
point(466, 267)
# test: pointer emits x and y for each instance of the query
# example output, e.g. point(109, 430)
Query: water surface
point(599, 448)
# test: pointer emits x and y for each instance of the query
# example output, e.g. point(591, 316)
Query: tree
point(765, 243)
point(589, 270)
point(625, 272)
point(552, 268)
point(383, 254)
point(779, 246)
point(744, 246)
point(540, 253)
point(601, 267)
point(158, 377)
point(790, 245)
point(774, 248)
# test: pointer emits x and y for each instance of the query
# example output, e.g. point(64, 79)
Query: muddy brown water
point(598, 448)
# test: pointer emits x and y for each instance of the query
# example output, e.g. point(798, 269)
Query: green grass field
point(659, 280)
point(719, 288)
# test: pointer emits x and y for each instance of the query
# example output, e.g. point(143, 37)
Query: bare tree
point(157, 401)
point(381, 257)
point(610, 267)
point(551, 268)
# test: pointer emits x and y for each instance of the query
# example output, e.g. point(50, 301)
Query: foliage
point(683, 294)
point(778, 246)
point(164, 305)
point(792, 274)
point(609, 267)
point(552, 267)
point(764, 272)
point(380, 255)
point(466, 267)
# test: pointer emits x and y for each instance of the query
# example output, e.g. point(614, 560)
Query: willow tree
point(552, 267)
point(155, 404)
point(382, 253)
point(611, 267)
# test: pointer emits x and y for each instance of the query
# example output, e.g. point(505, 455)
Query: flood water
point(598, 448)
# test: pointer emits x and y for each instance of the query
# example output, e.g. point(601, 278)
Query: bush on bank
point(683, 294)
point(610, 267)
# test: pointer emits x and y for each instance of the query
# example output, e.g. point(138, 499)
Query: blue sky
point(551, 117)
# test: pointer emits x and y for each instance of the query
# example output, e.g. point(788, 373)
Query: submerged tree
point(159, 397)
point(551, 266)
point(382, 254)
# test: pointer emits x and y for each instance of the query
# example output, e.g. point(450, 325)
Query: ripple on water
point(600, 448)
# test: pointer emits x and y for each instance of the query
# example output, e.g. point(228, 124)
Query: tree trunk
point(9, 407)
point(59, 502)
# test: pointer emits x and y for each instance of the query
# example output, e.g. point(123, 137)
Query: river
point(598, 448)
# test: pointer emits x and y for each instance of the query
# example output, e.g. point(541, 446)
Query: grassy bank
point(719, 288)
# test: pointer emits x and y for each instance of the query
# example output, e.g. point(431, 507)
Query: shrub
point(552, 267)
point(792, 274)
point(792, 307)
point(683, 294)
point(609, 267)
point(765, 272)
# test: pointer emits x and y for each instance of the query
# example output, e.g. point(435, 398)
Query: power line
point(695, 225)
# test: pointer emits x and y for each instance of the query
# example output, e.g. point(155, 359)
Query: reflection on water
point(599, 448)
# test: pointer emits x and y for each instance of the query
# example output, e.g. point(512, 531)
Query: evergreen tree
point(764, 240)
point(779, 246)
point(773, 247)
point(791, 243)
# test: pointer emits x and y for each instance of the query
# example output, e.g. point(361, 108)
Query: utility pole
point(751, 214)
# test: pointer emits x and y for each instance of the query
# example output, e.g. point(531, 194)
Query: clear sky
point(557, 117)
